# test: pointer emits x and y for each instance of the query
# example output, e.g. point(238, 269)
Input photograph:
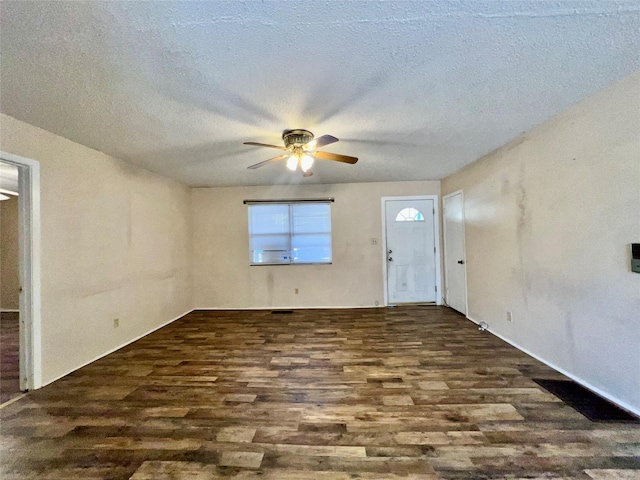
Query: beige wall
point(224, 279)
point(9, 276)
point(116, 243)
point(549, 220)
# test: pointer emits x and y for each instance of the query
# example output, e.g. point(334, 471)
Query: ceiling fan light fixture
point(300, 147)
point(306, 162)
point(292, 163)
point(296, 137)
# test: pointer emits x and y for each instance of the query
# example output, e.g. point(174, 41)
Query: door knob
point(390, 259)
point(461, 262)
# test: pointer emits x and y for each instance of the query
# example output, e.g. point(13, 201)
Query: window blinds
point(290, 233)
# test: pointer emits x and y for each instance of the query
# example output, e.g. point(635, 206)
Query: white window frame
point(290, 204)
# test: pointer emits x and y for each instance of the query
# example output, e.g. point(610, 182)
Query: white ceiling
point(416, 90)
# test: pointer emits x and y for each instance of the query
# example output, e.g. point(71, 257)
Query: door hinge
point(436, 289)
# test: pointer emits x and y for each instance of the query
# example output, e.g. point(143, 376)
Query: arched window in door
point(410, 215)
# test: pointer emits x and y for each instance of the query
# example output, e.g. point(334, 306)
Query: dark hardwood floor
point(399, 393)
point(9, 356)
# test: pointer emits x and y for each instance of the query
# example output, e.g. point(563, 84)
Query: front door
point(411, 259)
point(454, 253)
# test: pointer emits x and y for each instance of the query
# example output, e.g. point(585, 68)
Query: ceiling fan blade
point(335, 157)
point(322, 141)
point(256, 144)
point(274, 159)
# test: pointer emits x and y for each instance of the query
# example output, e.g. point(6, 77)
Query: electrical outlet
point(116, 322)
point(374, 241)
point(296, 291)
point(509, 317)
point(377, 303)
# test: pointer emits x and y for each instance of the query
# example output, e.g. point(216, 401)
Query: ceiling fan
point(301, 148)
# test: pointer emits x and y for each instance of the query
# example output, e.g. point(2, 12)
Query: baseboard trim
point(324, 307)
point(10, 310)
point(12, 400)
point(108, 352)
point(573, 377)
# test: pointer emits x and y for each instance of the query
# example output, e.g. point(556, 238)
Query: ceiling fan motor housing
point(296, 138)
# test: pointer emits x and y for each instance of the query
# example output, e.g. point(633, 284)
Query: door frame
point(29, 268)
point(464, 250)
point(436, 235)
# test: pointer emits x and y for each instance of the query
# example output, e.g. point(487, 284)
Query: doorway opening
point(20, 269)
point(9, 284)
point(411, 262)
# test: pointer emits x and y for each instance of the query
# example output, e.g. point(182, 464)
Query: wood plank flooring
point(399, 393)
point(9, 355)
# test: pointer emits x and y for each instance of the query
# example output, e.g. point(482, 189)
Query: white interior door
point(410, 243)
point(454, 253)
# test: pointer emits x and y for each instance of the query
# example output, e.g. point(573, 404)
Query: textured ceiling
point(416, 90)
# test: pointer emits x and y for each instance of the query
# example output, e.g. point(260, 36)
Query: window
point(290, 233)
point(410, 215)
